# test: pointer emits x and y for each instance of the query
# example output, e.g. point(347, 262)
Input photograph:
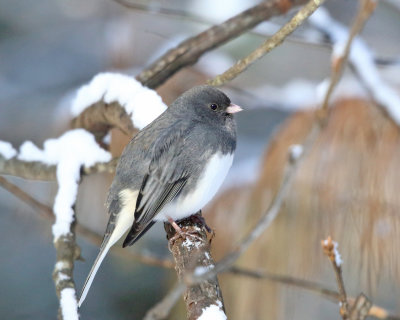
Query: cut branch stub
point(192, 254)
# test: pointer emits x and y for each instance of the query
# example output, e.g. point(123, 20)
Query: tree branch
point(268, 45)
point(35, 170)
point(100, 117)
point(190, 50)
point(330, 250)
point(96, 239)
point(192, 255)
point(339, 62)
point(66, 253)
point(162, 309)
point(359, 305)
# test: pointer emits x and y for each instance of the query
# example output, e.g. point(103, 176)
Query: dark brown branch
point(268, 45)
point(192, 255)
point(190, 50)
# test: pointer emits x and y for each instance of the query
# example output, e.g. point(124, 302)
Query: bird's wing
point(166, 177)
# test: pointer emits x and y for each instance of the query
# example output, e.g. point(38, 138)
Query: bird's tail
point(122, 221)
point(103, 251)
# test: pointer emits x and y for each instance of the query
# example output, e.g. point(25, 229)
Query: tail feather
point(123, 221)
point(93, 271)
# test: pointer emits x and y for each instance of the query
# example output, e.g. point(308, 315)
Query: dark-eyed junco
point(171, 169)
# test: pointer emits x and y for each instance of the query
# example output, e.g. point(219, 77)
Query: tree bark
point(192, 254)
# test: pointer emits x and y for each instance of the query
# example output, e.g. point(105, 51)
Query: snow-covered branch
point(360, 57)
point(115, 100)
point(68, 153)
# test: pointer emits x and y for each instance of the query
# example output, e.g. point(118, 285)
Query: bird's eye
point(213, 106)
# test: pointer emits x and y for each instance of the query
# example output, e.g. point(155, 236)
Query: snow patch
point(190, 244)
point(203, 269)
point(60, 265)
point(62, 277)
point(213, 312)
point(68, 304)
point(71, 151)
point(141, 103)
point(338, 257)
point(7, 150)
point(295, 150)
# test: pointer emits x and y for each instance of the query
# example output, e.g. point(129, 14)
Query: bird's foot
point(182, 234)
point(200, 219)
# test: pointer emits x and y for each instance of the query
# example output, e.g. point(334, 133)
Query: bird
point(170, 169)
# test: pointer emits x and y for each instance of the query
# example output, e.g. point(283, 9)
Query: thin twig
point(365, 11)
point(361, 307)
point(330, 250)
point(183, 14)
point(259, 228)
point(162, 309)
point(190, 50)
point(332, 295)
point(268, 45)
point(300, 283)
point(96, 239)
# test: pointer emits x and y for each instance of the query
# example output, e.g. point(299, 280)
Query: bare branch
point(365, 11)
point(360, 306)
point(190, 50)
point(47, 213)
point(268, 45)
point(296, 282)
point(360, 309)
point(330, 250)
point(162, 309)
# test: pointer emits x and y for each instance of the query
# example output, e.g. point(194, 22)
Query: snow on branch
point(361, 58)
point(69, 153)
point(214, 312)
point(358, 308)
point(142, 104)
point(113, 100)
point(7, 150)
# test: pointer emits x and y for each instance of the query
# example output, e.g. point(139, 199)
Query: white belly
point(207, 187)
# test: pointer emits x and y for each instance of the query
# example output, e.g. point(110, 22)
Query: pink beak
point(233, 108)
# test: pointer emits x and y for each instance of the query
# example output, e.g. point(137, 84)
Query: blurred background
point(346, 187)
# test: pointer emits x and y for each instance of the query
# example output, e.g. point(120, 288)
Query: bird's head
point(207, 103)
